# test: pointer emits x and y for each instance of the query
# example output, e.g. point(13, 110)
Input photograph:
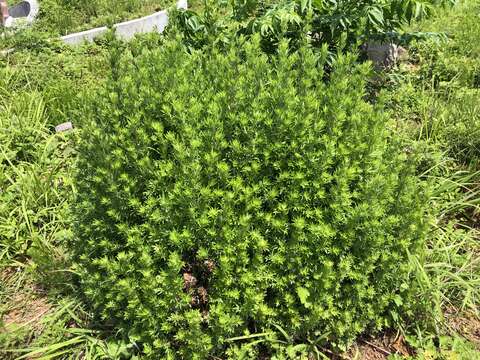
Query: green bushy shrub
point(225, 194)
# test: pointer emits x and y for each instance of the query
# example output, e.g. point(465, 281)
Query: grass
point(40, 87)
point(434, 100)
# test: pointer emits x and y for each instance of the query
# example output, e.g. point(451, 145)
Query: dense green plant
point(338, 23)
point(222, 195)
point(42, 78)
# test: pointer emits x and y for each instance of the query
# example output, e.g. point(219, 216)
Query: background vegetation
point(62, 17)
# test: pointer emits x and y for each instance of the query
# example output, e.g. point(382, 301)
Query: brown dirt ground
point(24, 307)
point(27, 310)
point(467, 325)
point(379, 348)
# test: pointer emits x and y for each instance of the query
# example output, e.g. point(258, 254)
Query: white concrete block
point(64, 127)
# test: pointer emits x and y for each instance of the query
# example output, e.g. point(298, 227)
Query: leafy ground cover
point(434, 100)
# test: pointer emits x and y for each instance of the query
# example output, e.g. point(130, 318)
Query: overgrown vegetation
point(61, 17)
point(435, 99)
point(340, 24)
point(431, 102)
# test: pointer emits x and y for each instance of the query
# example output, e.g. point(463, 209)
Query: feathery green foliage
point(223, 194)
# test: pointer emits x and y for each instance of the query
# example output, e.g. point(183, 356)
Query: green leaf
point(375, 15)
point(303, 294)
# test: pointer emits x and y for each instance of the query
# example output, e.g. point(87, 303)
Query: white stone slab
point(64, 127)
point(84, 36)
point(155, 22)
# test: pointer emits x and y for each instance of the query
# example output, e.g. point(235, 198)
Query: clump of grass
point(34, 184)
point(38, 91)
point(445, 84)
